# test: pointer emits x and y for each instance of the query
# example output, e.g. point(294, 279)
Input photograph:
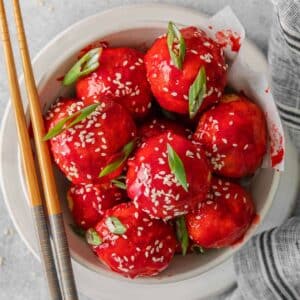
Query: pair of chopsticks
point(60, 279)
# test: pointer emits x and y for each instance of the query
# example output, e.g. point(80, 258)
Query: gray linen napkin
point(268, 267)
point(284, 59)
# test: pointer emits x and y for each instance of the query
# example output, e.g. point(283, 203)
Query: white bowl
point(138, 29)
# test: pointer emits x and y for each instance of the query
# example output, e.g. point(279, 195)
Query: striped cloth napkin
point(268, 267)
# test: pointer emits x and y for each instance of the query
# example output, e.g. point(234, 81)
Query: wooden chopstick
point(49, 185)
point(28, 164)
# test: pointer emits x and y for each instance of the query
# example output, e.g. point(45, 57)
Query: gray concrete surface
point(20, 274)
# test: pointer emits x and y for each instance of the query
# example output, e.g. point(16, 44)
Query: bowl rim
point(222, 257)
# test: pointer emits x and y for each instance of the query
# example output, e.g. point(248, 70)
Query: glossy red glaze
point(155, 189)
point(89, 202)
point(121, 77)
point(224, 218)
point(157, 126)
point(170, 85)
point(145, 249)
point(278, 157)
point(234, 136)
point(229, 38)
point(84, 150)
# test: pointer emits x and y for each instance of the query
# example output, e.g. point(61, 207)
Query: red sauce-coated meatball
point(83, 150)
point(153, 186)
point(121, 77)
point(88, 202)
point(144, 249)
point(224, 218)
point(234, 135)
point(170, 85)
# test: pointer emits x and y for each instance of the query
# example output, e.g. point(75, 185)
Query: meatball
point(224, 218)
point(85, 149)
point(89, 202)
point(132, 244)
point(121, 77)
point(170, 85)
point(155, 188)
point(234, 136)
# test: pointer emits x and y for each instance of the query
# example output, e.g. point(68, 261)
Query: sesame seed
point(189, 154)
point(224, 141)
point(161, 161)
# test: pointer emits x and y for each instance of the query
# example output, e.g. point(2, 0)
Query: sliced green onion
point(92, 237)
point(196, 92)
point(176, 45)
point(115, 226)
point(126, 151)
point(84, 66)
point(182, 234)
point(112, 166)
point(177, 167)
point(76, 117)
point(119, 184)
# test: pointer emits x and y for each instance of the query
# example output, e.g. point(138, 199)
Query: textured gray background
point(20, 273)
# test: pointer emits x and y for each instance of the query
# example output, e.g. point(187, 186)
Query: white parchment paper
point(243, 78)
